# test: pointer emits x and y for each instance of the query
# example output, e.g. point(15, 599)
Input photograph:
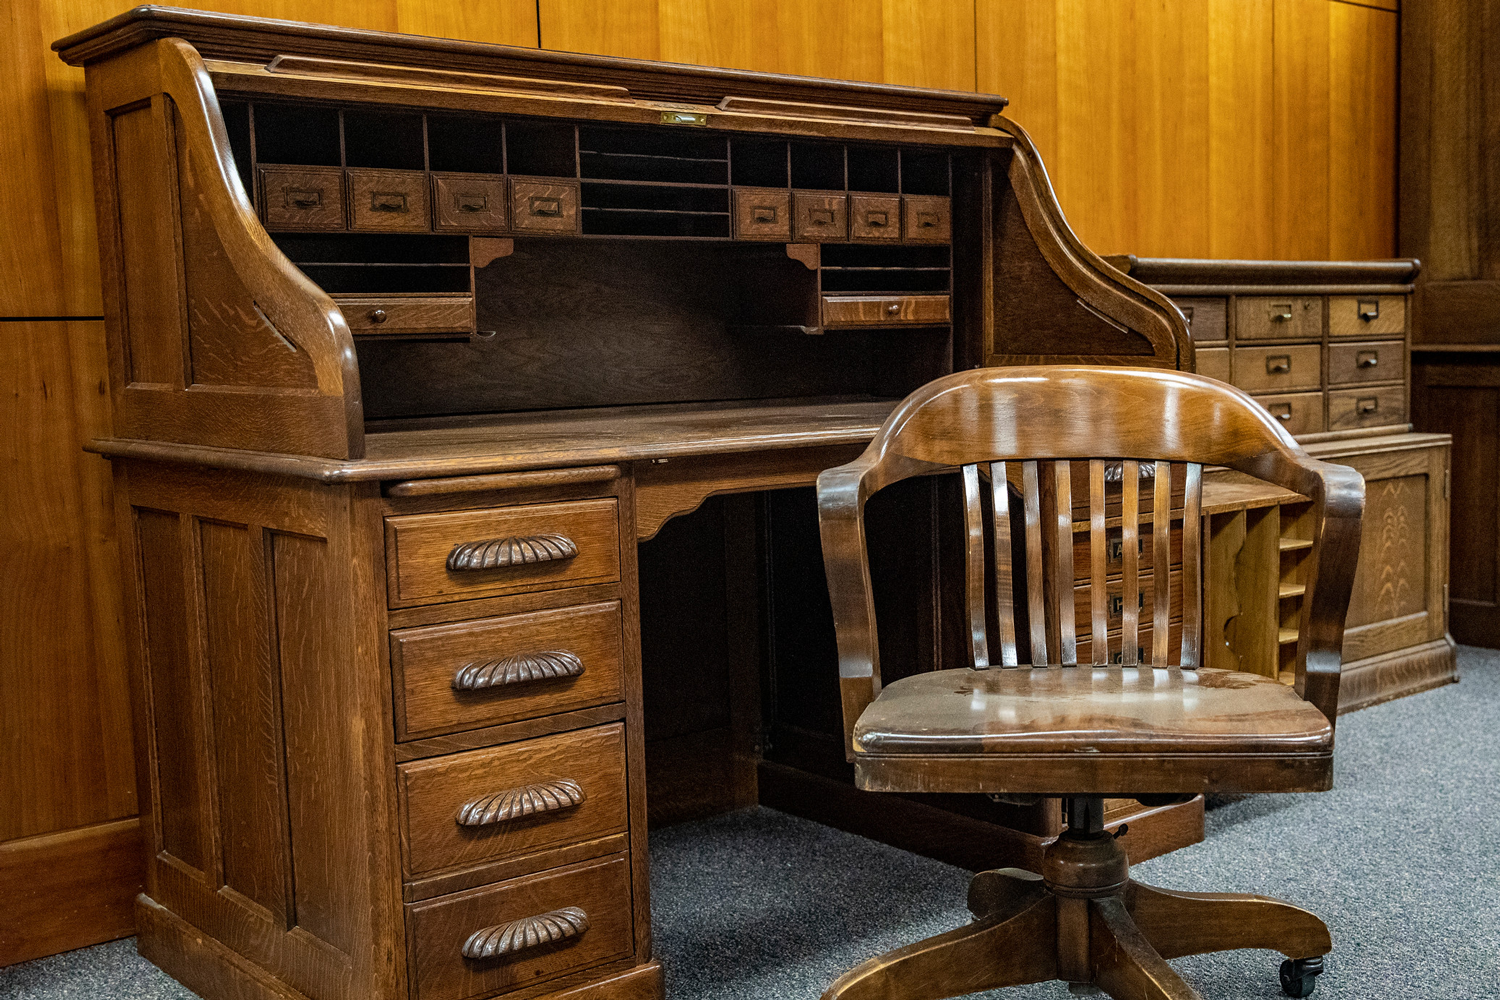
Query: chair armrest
point(841, 524)
point(1338, 495)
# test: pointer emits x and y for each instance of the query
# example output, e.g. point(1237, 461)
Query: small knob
point(893, 308)
point(377, 316)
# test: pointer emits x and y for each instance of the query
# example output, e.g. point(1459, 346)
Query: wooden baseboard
point(951, 837)
point(69, 889)
point(1397, 674)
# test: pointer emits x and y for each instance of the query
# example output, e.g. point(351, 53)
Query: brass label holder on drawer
point(518, 668)
point(518, 803)
point(1281, 411)
point(1278, 364)
point(526, 933)
point(1367, 359)
point(1366, 405)
point(388, 201)
point(517, 550)
point(1369, 309)
point(302, 197)
point(1281, 313)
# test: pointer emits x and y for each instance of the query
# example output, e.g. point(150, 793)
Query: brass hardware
point(473, 202)
point(549, 207)
point(518, 668)
point(928, 220)
point(519, 550)
point(1281, 314)
point(877, 219)
point(1369, 309)
point(820, 216)
point(893, 308)
point(683, 118)
point(1367, 404)
point(1117, 603)
point(518, 803)
point(1114, 548)
point(528, 932)
point(1282, 411)
point(763, 213)
point(387, 201)
point(1367, 359)
point(1278, 364)
point(378, 316)
point(303, 197)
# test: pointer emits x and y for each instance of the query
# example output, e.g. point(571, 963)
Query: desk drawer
point(1207, 319)
point(927, 218)
point(388, 201)
point(1285, 317)
point(1299, 412)
point(469, 203)
point(1377, 406)
point(506, 550)
point(820, 216)
point(884, 310)
point(762, 213)
point(1377, 361)
point(544, 205)
point(512, 800)
point(874, 218)
point(1278, 369)
point(495, 670)
point(302, 199)
point(594, 927)
point(1366, 315)
point(404, 315)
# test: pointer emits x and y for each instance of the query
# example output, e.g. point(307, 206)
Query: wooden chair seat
point(1049, 729)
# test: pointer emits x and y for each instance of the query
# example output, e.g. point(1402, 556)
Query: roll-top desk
point(411, 342)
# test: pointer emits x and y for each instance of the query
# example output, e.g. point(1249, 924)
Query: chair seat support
point(1085, 921)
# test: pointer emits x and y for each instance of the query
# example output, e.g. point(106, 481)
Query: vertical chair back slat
point(1036, 599)
point(1161, 558)
point(1062, 564)
point(1004, 590)
point(1098, 566)
point(974, 564)
point(1192, 577)
point(1130, 615)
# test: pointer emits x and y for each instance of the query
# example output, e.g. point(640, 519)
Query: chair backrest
point(1088, 450)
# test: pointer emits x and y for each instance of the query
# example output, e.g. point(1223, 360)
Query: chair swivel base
point(1084, 921)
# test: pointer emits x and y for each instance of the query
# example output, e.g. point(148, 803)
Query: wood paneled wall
point(1228, 128)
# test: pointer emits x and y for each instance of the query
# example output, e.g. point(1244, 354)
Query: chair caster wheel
point(1300, 975)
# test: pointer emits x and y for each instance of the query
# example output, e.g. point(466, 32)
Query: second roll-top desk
point(412, 341)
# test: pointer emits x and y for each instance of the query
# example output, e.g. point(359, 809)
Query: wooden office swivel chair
point(1033, 720)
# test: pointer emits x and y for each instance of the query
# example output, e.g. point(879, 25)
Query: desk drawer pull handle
point(518, 803)
point(387, 201)
point(1281, 314)
point(1369, 309)
point(1278, 364)
point(763, 213)
point(877, 220)
point(303, 197)
point(549, 208)
point(893, 308)
point(1367, 405)
point(928, 220)
point(1367, 359)
point(518, 668)
point(528, 932)
point(518, 550)
point(820, 216)
point(1282, 411)
point(472, 202)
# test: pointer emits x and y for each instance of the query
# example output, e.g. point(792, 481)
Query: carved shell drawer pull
point(517, 550)
point(518, 803)
point(528, 932)
point(518, 668)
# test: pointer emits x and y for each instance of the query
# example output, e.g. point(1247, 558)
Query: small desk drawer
point(875, 218)
point(388, 201)
point(398, 315)
point(1207, 319)
point(820, 216)
point(469, 203)
point(544, 205)
point(884, 310)
point(593, 927)
point(513, 800)
point(495, 670)
point(1278, 369)
point(1214, 362)
point(304, 199)
point(927, 218)
point(1299, 412)
point(762, 213)
point(1366, 315)
point(1265, 317)
point(1373, 407)
point(504, 550)
point(1377, 361)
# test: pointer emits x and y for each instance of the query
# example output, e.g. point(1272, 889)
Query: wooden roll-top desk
point(412, 343)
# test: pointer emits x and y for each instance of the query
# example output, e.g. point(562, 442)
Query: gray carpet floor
point(1402, 859)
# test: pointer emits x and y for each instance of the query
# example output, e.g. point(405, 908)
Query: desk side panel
point(266, 719)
